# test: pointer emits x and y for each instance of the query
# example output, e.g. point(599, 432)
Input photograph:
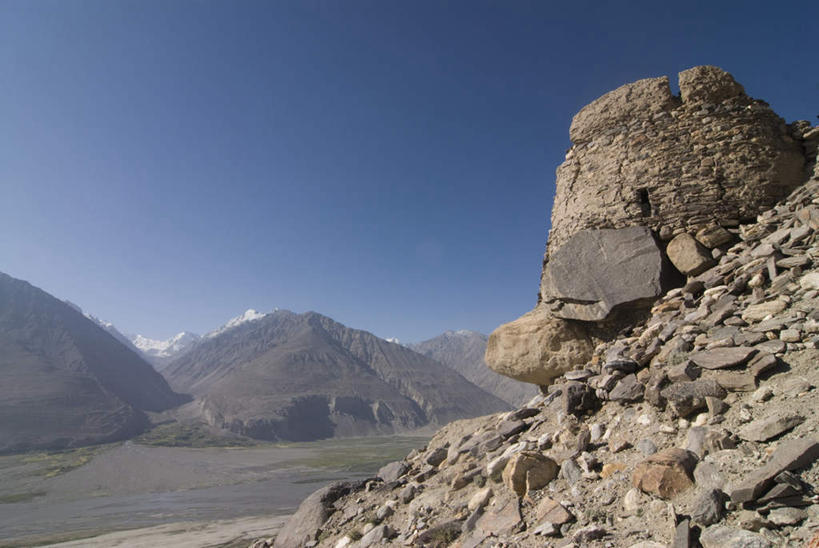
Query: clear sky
point(168, 164)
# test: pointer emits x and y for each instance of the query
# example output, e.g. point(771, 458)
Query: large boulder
point(538, 347)
point(304, 525)
point(598, 270)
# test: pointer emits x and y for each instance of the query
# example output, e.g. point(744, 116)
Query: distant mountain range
point(463, 351)
point(71, 379)
point(66, 381)
point(304, 376)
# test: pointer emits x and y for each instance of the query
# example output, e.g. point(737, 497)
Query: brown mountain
point(304, 377)
point(463, 351)
point(66, 381)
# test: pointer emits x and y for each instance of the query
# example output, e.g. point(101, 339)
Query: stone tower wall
point(642, 156)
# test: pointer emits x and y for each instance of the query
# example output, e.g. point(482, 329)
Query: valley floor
point(130, 491)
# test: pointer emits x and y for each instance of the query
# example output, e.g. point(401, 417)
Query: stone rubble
point(696, 425)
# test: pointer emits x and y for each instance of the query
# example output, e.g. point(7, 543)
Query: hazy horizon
point(168, 165)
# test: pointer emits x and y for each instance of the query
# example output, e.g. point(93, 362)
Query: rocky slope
point(463, 351)
point(304, 377)
point(682, 412)
point(66, 381)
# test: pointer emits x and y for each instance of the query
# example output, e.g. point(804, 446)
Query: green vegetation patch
point(359, 455)
point(20, 497)
point(190, 435)
point(54, 463)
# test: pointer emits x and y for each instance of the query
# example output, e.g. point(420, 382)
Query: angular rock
point(790, 455)
point(598, 270)
point(537, 347)
point(735, 381)
point(688, 255)
point(758, 312)
point(666, 473)
point(303, 526)
point(627, 389)
point(528, 471)
point(377, 536)
point(720, 536)
point(392, 471)
point(553, 512)
point(787, 516)
point(720, 358)
point(682, 535)
point(480, 498)
point(687, 397)
point(770, 426)
point(708, 507)
point(713, 236)
point(578, 398)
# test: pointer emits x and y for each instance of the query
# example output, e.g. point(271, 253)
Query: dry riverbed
point(127, 494)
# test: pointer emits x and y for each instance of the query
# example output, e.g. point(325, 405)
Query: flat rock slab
point(720, 536)
point(687, 397)
point(770, 427)
point(790, 455)
point(597, 270)
point(720, 358)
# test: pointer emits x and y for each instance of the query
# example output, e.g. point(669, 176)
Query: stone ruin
point(652, 190)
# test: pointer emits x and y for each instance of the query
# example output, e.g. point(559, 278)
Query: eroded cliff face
point(653, 190)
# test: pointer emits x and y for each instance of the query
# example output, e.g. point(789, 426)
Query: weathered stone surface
point(770, 426)
point(392, 471)
point(598, 270)
point(666, 473)
point(713, 236)
point(688, 255)
point(787, 516)
point(734, 381)
point(687, 397)
point(578, 398)
point(303, 526)
point(527, 471)
point(708, 507)
point(552, 511)
point(720, 536)
point(537, 347)
point(790, 455)
point(377, 536)
point(720, 358)
point(480, 498)
point(642, 157)
point(627, 389)
point(758, 312)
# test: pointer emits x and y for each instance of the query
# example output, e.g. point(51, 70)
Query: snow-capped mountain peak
point(167, 348)
point(248, 315)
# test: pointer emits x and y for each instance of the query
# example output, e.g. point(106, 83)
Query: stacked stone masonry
point(642, 156)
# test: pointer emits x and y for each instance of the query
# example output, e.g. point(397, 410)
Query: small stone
point(646, 447)
point(761, 363)
point(407, 493)
point(627, 389)
point(632, 500)
point(666, 473)
point(611, 468)
point(809, 281)
point(708, 476)
point(790, 335)
point(720, 536)
point(720, 358)
point(552, 511)
point(687, 397)
point(570, 471)
point(436, 457)
point(589, 533)
point(787, 516)
point(762, 394)
point(546, 529)
point(527, 471)
point(509, 428)
point(715, 406)
point(392, 471)
point(713, 236)
point(479, 499)
point(682, 535)
point(688, 255)
point(708, 507)
point(770, 426)
point(758, 312)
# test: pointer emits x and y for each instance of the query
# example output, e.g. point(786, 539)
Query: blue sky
point(167, 165)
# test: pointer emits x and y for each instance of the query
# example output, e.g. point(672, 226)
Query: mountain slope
point(161, 353)
point(463, 351)
point(304, 376)
point(66, 381)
